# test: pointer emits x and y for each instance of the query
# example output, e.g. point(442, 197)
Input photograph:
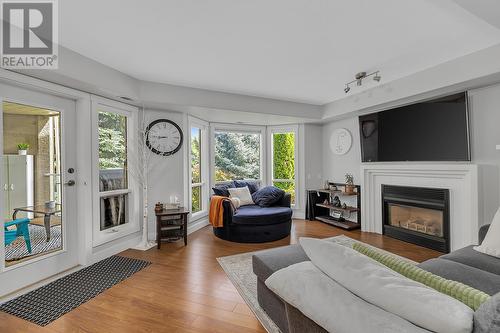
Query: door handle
point(12, 187)
point(70, 183)
point(5, 187)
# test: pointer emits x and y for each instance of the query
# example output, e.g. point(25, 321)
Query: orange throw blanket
point(216, 213)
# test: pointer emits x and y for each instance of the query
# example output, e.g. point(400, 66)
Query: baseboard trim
point(195, 226)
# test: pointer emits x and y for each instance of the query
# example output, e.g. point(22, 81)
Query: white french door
point(45, 123)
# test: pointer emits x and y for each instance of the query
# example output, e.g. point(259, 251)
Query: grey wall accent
point(313, 155)
point(484, 108)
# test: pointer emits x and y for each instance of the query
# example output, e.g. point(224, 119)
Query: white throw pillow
point(242, 193)
point(491, 242)
point(381, 286)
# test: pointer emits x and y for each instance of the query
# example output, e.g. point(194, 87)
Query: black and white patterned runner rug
point(45, 304)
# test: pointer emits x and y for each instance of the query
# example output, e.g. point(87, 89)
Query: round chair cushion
point(256, 215)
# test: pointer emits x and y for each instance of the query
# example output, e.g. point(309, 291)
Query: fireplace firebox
point(417, 215)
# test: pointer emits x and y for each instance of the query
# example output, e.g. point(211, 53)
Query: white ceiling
point(299, 50)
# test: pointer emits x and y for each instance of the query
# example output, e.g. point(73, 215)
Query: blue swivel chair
point(21, 230)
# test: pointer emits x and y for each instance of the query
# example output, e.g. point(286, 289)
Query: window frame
point(271, 130)
point(204, 172)
point(99, 236)
point(251, 129)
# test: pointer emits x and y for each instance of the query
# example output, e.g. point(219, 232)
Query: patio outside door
point(38, 187)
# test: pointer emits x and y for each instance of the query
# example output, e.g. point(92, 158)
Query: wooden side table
point(171, 223)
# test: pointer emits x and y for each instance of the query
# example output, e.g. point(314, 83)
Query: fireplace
point(417, 215)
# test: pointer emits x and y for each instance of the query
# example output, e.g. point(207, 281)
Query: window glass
point(237, 156)
point(112, 151)
point(284, 162)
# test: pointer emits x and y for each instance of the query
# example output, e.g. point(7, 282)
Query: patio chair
point(21, 230)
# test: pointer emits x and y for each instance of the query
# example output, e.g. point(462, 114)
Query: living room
point(283, 166)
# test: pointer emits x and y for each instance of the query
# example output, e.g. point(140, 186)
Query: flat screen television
point(434, 130)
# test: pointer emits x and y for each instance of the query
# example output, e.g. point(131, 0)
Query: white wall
point(166, 175)
point(485, 135)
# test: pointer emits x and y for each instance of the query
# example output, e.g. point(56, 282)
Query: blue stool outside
point(21, 230)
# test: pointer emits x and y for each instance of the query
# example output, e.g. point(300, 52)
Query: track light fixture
point(359, 77)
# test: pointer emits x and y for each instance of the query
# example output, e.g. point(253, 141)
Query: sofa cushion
point(269, 261)
point(253, 185)
point(256, 215)
point(470, 257)
point(268, 196)
point(466, 294)
point(387, 289)
point(491, 242)
point(474, 277)
point(487, 317)
point(243, 194)
point(222, 189)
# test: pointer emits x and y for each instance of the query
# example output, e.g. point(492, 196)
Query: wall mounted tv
point(434, 130)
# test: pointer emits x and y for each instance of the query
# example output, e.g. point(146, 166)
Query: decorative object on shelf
point(340, 141)
point(164, 137)
point(344, 206)
point(359, 77)
point(336, 201)
point(326, 186)
point(333, 188)
point(174, 203)
point(158, 207)
point(22, 149)
point(349, 183)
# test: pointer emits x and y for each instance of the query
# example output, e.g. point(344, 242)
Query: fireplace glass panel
point(424, 220)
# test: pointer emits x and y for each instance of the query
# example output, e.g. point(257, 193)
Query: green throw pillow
point(465, 294)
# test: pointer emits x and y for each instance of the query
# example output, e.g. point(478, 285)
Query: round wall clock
point(340, 141)
point(164, 137)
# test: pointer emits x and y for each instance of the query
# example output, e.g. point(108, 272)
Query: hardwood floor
point(186, 291)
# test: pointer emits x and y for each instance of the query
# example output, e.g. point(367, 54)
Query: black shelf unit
point(317, 210)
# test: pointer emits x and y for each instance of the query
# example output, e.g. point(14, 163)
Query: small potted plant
point(22, 148)
point(349, 183)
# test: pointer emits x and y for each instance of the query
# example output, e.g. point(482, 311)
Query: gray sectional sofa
point(465, 265)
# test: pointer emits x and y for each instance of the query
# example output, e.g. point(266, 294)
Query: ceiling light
point(359, 77)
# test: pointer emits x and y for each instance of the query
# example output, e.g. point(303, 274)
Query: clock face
point(164, 137)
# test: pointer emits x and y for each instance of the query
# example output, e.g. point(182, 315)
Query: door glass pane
point(112, 151)
point(113, 211)
point(31, 182)
point(237, 156)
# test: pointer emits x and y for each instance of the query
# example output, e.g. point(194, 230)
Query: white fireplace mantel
point(459, 178)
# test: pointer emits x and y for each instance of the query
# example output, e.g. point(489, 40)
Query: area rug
point(17, 249)
point(239, 270)
point(45, 304)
